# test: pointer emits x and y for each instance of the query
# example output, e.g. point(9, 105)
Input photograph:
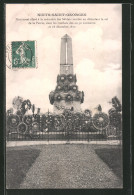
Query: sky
point(97, 54)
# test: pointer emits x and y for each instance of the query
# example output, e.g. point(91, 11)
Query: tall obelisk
point(66, 94)
point(66, 56)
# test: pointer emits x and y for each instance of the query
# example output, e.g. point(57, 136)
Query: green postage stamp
point(23, 54)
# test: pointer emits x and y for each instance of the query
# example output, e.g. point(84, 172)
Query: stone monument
point(66, 94)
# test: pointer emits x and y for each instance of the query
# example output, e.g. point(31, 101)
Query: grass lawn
point(112, 156)
point(18, 163)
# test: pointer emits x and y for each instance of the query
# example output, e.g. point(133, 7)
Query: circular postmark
point(9, 56)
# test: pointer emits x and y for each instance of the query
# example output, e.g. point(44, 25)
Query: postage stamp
point(21, 54)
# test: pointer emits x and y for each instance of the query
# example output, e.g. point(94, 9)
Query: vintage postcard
point(64, 96)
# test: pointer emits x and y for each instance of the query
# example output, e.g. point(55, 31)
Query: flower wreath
point(74, 87)
point(62, 77)
point(26, 103)
point(70, 77)
point(77, 97)
point(59, 98)
point(58, 88)
point(69, 98)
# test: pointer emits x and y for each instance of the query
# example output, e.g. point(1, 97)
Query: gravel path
point(69, 166)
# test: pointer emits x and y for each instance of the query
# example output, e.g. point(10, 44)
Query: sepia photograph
point(64, 96)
